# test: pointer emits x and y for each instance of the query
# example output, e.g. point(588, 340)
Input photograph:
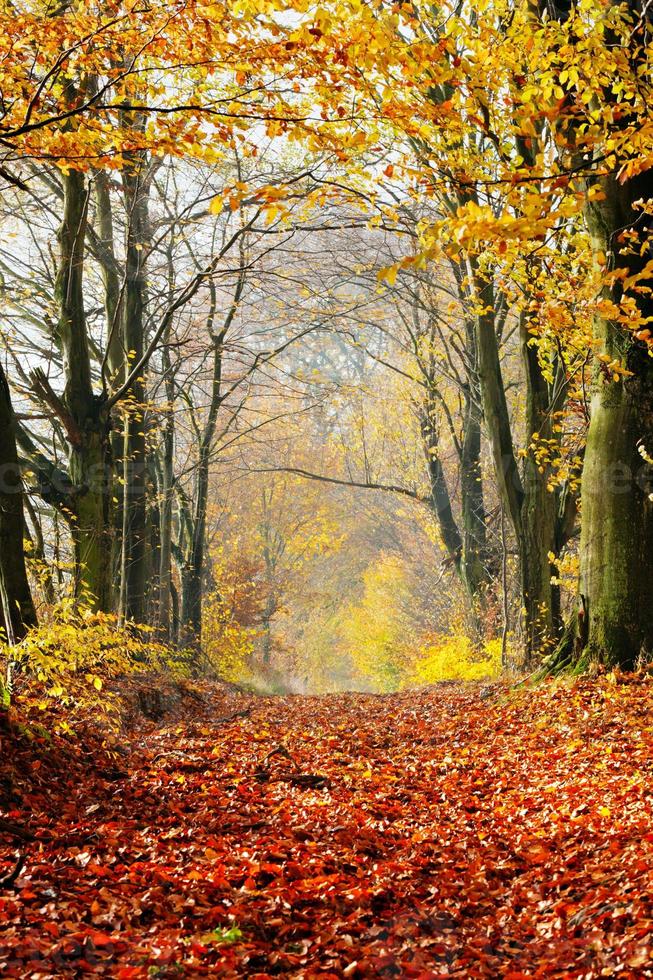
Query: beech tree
point(615, 623)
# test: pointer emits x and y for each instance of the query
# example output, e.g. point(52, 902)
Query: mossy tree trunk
point(539, 510)
point(82, 412)
point(617, 524)
point(615, 619)
point(17, 613)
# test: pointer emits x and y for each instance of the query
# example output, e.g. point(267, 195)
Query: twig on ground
point(15, 830)
point(11, 878)
point(236, 714)
point(282, 751)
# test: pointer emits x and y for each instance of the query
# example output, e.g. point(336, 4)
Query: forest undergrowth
point(457, 830)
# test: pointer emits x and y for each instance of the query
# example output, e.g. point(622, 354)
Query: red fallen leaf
point(196, 947)
point(537, 854)
point(101, 939)
point(293, 871)
point(269, 868)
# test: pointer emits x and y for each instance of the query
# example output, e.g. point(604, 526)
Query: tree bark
point(83, 413)
point(136, 191)
point(113, 366)
point(194, 577)
point(266, 628)
point(615, 617)
point(531, 508)
point(17, 613)
point(166, 476)
point(193, 583)
point(617, 512)
point(165, 480)
point(541, 600)
point(474, 565)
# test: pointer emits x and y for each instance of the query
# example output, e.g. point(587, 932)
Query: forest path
point(446, 832)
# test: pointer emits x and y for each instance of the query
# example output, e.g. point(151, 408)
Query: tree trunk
point(617, 525)
point(82, 412)
point(17, 613)
point(617, 512)
point(266, 624)
point(531, 508)
point(136, 187)
point(538, 535)
point(193, 588)
point(182, 551)
point(165, 488)
point(474, 568)
point(465, 545)
point(91, 529)
point(194, 572)
point(153, 545)
point(191, 607)
point(164, 615)
point(113, 368)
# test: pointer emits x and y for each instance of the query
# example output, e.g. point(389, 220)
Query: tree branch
point(43, 390)
point(388, 487)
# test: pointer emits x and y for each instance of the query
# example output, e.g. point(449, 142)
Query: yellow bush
point(227, 644)
point(376, 629)
point(73, 655)
point(456, 658)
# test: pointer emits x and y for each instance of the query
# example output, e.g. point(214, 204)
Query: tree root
point(563, 658)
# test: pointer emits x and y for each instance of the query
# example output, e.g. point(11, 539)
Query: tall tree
point(616, 613)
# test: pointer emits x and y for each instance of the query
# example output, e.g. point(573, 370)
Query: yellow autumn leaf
point(389, 274)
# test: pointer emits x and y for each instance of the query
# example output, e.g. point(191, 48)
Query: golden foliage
point(76, 655)
point(454, 657)
point(228, 642)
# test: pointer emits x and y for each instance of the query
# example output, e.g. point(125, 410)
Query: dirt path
point(422, 835)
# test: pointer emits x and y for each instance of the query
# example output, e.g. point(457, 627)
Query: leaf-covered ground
point(452, 832)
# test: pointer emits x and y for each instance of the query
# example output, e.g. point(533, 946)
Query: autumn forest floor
point(457, 831)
